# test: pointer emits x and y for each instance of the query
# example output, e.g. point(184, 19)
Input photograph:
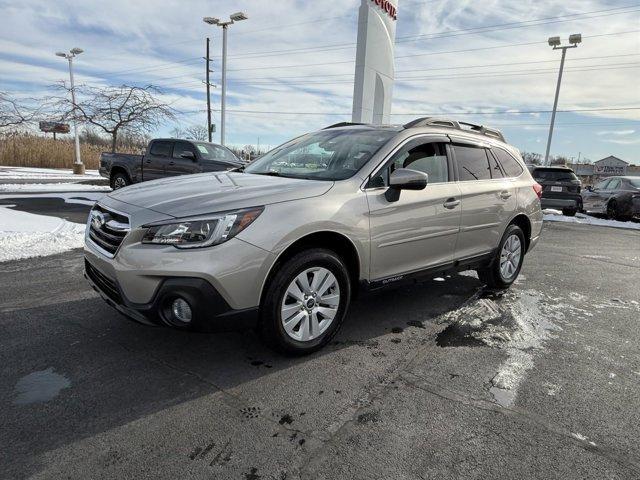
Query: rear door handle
point(451, 203)
point(505, 194)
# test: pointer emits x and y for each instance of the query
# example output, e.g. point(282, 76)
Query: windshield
point(216, 153)
point(333, 154)
point(554, 175)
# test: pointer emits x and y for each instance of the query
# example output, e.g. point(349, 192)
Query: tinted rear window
point(472, 163)
point(554, 175)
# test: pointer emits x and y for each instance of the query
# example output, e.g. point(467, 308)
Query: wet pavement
point(438, 380)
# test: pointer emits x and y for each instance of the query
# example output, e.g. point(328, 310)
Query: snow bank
point(25, 173)
point(52, 187)
point(26, 235)
point(587, 220)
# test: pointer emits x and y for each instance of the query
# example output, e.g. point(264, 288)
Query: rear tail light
point(538, 189)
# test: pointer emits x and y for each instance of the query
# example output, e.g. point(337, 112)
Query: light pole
point(235, 17)
point(78, 167)
point(554, 42)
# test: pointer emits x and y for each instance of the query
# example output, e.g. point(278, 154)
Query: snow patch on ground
point(516, 322)
point(21, 173)
point(52, 187)
point(588, 220)
point(25, 235)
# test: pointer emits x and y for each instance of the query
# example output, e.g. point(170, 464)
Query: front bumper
point(210, 312)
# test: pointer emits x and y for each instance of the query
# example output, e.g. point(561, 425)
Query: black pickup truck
point(166, 158)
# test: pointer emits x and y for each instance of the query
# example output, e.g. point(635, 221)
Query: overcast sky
point(296, 57)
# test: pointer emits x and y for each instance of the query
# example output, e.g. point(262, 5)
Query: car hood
point(202, 193)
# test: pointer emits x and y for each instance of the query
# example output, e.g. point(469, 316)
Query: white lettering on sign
point(387, 7)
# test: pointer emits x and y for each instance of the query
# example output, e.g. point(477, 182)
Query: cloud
point(616, 132)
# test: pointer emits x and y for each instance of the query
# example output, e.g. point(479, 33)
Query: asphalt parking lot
point(438, 380)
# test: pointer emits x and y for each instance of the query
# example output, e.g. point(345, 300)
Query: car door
point(183, 161)
point(416, 229)
point(488, 198)
point(595, 200)
point(154, 162)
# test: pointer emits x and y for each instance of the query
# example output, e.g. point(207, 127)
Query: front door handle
point(451, 203)
point(505, 194)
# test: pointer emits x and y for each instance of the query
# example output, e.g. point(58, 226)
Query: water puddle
point(39, 387)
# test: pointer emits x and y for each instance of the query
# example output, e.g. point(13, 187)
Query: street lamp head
point(554, 41)
point(575, 38)
point(76, 51)
point(236, 17)
point(211, 20)
point(61, 54)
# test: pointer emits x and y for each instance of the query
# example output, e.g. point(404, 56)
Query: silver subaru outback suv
point(284, 245)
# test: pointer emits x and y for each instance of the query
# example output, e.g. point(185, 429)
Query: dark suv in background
point(560, 188)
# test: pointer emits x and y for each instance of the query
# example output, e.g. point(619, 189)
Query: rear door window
point(472, 163)
point(496, 171)
point(510, 165)
point(161, 149)
point(614, 184)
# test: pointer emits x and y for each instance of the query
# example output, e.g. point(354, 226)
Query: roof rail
point(443, 122)
point(342, 124)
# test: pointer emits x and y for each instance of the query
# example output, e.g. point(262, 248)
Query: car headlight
point(203, 231)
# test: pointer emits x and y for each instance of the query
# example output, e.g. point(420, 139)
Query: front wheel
point(569, 212)
point(505, 267)
point(305, 302)
point(612, 210)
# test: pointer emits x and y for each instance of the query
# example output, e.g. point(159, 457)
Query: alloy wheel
point(510, 257)
point(310, 304)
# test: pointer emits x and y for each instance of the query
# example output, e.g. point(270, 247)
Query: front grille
point(107, 229)
point(104, 283)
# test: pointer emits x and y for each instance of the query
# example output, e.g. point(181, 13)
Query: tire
point(494, 276)
point(612, 210)
point(278, 302)
point(569, 212)
point(119, 180)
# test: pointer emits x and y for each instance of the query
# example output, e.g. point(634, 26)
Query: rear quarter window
point(510, 165)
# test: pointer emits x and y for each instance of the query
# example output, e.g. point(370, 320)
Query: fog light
point(181, 310)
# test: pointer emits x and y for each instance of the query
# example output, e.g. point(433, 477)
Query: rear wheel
point(305, 302)
point(505, 267)
point(569, 212)
point(119, 180)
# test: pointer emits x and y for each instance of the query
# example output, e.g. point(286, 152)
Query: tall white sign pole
point(374, 73)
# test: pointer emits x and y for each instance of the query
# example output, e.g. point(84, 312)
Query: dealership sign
point(609, 169)
point(388, 7)
point(54, 127)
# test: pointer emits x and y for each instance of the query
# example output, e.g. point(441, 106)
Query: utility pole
point(208, 60)
point(235, 17)
point(554, 42)
point(78, 166)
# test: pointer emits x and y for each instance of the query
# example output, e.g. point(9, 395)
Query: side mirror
point(188, 154)
point(407, 179)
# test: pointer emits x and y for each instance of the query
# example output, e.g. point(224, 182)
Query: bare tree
point(12, 114)
point(531, 158)
point(176, 132)
point(197, 132)
point(130, 109)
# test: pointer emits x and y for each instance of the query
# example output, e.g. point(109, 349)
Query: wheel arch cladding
point(524, 223)
point(336, 242)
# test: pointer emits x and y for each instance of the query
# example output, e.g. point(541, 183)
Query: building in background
point(592, 173)
point(374, 73)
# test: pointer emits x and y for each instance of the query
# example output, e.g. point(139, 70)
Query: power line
point(505, 112)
